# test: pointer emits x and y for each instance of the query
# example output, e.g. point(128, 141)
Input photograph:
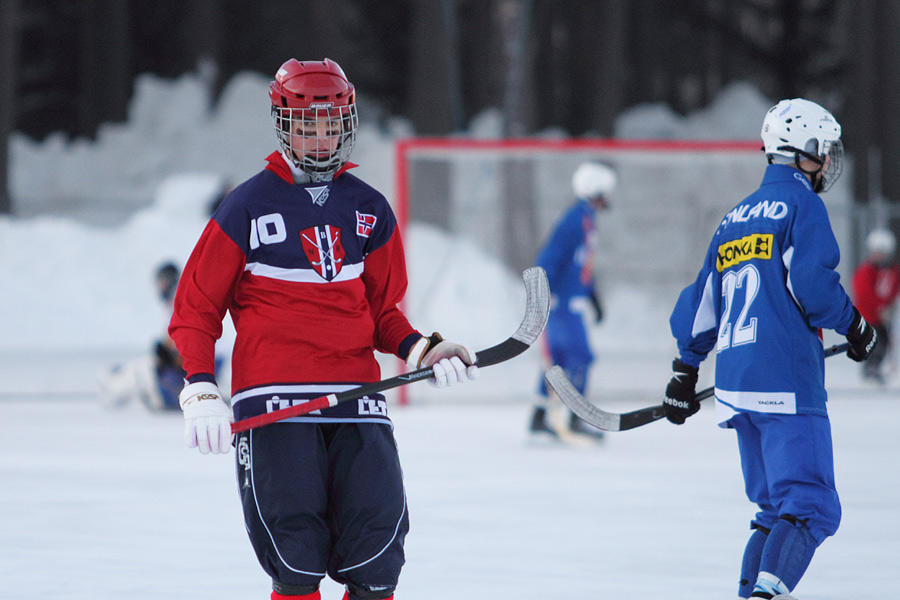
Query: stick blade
point(557, 380)
point(537, 305)
point(537, 311)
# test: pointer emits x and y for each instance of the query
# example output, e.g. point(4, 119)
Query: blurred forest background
point(572, 65)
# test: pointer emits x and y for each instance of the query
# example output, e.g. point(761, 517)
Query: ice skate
point(540, 426)
point(579, 427)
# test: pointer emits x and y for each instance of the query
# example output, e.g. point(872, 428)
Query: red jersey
point(312, 275)
point(875, 287)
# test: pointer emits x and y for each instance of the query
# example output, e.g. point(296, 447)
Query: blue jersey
point(767, 285)
point(568, 257)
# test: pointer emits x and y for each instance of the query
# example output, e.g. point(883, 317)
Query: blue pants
point(788, 467)
point(324, 498)
point(566, 341)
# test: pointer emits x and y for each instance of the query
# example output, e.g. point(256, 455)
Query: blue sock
point(788, 551)
point(750, 565)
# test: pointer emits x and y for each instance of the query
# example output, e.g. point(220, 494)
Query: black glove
point(598, 308)
point(862, 338)
point(681, 401)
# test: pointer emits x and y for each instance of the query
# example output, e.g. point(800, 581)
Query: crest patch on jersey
point(364, 224)
point(757, 245)
point(319, 194)
point(324, 250)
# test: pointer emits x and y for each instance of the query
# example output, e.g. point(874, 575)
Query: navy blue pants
point(324, 498)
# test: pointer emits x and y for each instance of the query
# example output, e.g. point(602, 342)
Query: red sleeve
point(385, 279)
point(204, 294)
point(895, 284)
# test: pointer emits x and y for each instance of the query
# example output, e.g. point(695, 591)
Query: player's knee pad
point(789, 550)
point(818, 526)
point(760, 528)
point(368, 592)
point(284, 591)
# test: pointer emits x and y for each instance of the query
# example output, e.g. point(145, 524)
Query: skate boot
point(578, 426)
point(540, 424)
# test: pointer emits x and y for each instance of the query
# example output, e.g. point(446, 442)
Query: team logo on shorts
point(243, 456)
point(324, 250)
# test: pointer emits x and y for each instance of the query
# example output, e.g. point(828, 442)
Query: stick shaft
point(830, 351)
point(537, 310)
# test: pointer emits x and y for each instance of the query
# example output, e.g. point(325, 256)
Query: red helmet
point(297, 84)
point(312, 91)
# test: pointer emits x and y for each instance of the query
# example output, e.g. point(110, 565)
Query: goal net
point(504, 197)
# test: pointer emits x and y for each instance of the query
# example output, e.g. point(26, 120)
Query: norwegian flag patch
point(364, 224)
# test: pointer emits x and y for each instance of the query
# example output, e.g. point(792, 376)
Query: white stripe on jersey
point(275, 390)
point(728, 403)
point(786, 259)
point(349, 272)
point(705, 317)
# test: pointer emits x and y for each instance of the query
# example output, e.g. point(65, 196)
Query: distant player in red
point(876, 284)
point(308, 261)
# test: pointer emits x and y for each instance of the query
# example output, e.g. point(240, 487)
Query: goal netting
point(503, 197)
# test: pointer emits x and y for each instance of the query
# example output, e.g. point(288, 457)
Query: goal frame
point(406, 148)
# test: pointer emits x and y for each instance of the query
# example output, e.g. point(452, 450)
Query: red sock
point(314, 596)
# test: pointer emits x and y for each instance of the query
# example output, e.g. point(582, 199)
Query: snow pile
point(734, 114)
point(74, 287)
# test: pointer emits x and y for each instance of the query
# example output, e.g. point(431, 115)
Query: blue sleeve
point(811, 260)
point(694, 320)
point(560, 248)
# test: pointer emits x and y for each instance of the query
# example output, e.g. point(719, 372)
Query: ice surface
point(102, 504)
point(98, 504)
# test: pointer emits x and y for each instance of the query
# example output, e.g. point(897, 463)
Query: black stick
point(537, 309)
point(609, 421)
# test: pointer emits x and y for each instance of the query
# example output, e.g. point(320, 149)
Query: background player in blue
point(767, 286)
point(568, 259)
point(309, 262)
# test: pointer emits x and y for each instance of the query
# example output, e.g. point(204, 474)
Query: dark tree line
point(69, 65)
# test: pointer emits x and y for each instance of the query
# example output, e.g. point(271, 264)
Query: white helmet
point(881, 241)
point(799, 129)
point(593, 179)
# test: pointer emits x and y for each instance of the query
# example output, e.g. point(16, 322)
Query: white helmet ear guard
point(800, 129)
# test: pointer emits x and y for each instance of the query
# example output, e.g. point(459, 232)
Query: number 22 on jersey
point(739, 289)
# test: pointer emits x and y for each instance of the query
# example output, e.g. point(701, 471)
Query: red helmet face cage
point(314, 110)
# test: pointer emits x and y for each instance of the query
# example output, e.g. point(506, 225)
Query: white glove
point(452, 363)
point(207, 419)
